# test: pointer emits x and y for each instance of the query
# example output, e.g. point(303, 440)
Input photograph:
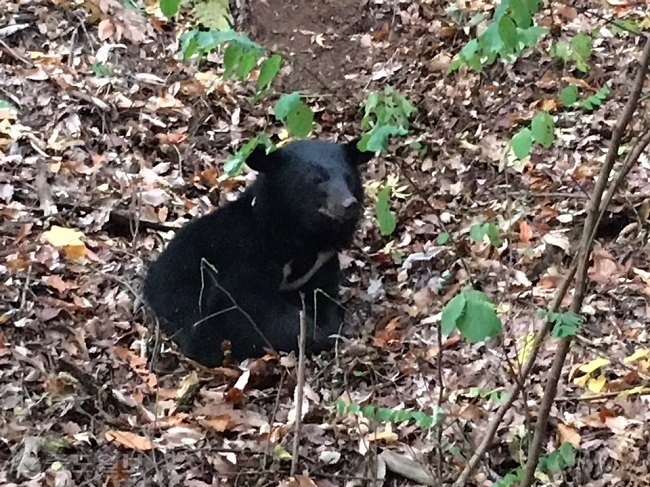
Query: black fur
point(305, 201)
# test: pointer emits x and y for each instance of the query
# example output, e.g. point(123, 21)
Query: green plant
point(213, 14)
point(385, 115)
point(577, 50)
point(596, 99)
point(295, 114)
point(490, 395)
point(554, 462)
point(474, 315)
point(386, 218)
point(510, 32)
point(479, 231)
point(385, 415)
point(564, 324)
point(100, 70)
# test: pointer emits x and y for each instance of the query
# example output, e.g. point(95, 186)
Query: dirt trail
point(317, 37)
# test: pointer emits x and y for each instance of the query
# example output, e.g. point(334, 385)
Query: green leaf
point(377, 139)
point(235, 164)
point(231, 59)
point(531, 35)
point(491, 41)
point(385, 415)
point(508, 33)
point(520, 13)
point(542, 129)
point(246, 64)
point(286, 104)
point(452, 313)
point(188, 44)
point(269, 69)
point(565, 324)
point(477, 232)
point(581, 46)
point(479, 320)
point(99, 70)
point(423, 420)
point(569, 95)
point(562, 50)
point(281, 453)
point(369, 411)
point(568, 453)
point(386, 218)
point(492, 231)
point(470, 49)
point(7, 105)
point(522, 143)
point(443, 238)
point(300, 120)
point(169, 8)
point(603, 93)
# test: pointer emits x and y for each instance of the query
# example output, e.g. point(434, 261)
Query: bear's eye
point(317, 179)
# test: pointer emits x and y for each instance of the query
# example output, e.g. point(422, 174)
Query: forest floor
point(122, 142)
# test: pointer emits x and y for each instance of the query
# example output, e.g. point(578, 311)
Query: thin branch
point(589, 231)
point(300, 386)
point(441, 397)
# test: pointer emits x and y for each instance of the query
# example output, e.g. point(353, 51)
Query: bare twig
point(14, 54)
point(23, 294)
point(441, 396)
point(300, 386)
point(589, 231)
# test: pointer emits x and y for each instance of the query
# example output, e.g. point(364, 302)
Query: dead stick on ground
point(586, 243)
point(300, 387)
point(515, 389)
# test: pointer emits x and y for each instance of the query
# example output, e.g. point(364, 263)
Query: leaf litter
point(100, 168)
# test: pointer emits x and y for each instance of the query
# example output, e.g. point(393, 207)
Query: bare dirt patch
point(316, 36)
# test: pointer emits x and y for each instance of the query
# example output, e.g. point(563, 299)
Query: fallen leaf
point(129, 440)
point(594, 365)
point(568, 434)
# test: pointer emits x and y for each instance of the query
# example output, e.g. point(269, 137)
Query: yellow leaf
point(636, 390)
point(62, 237)
point(388, 436)
point(594, 365)
point(581, 381)
point(637, 355)
point(596, 385)
point(526, 349)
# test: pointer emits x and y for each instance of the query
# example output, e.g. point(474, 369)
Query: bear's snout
point(342, 210)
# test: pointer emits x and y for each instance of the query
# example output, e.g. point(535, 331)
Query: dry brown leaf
point(568, 434)
point(129, 440)
point(525, 232)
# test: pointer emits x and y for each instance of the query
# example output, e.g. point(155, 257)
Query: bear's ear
point(355, 156)
point(260, 161)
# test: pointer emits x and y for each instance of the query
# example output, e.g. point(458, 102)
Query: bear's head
point(315, 186)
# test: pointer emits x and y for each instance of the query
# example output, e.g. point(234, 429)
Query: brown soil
point(297, 28)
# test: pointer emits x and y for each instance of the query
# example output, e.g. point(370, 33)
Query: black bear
point(237, 274)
